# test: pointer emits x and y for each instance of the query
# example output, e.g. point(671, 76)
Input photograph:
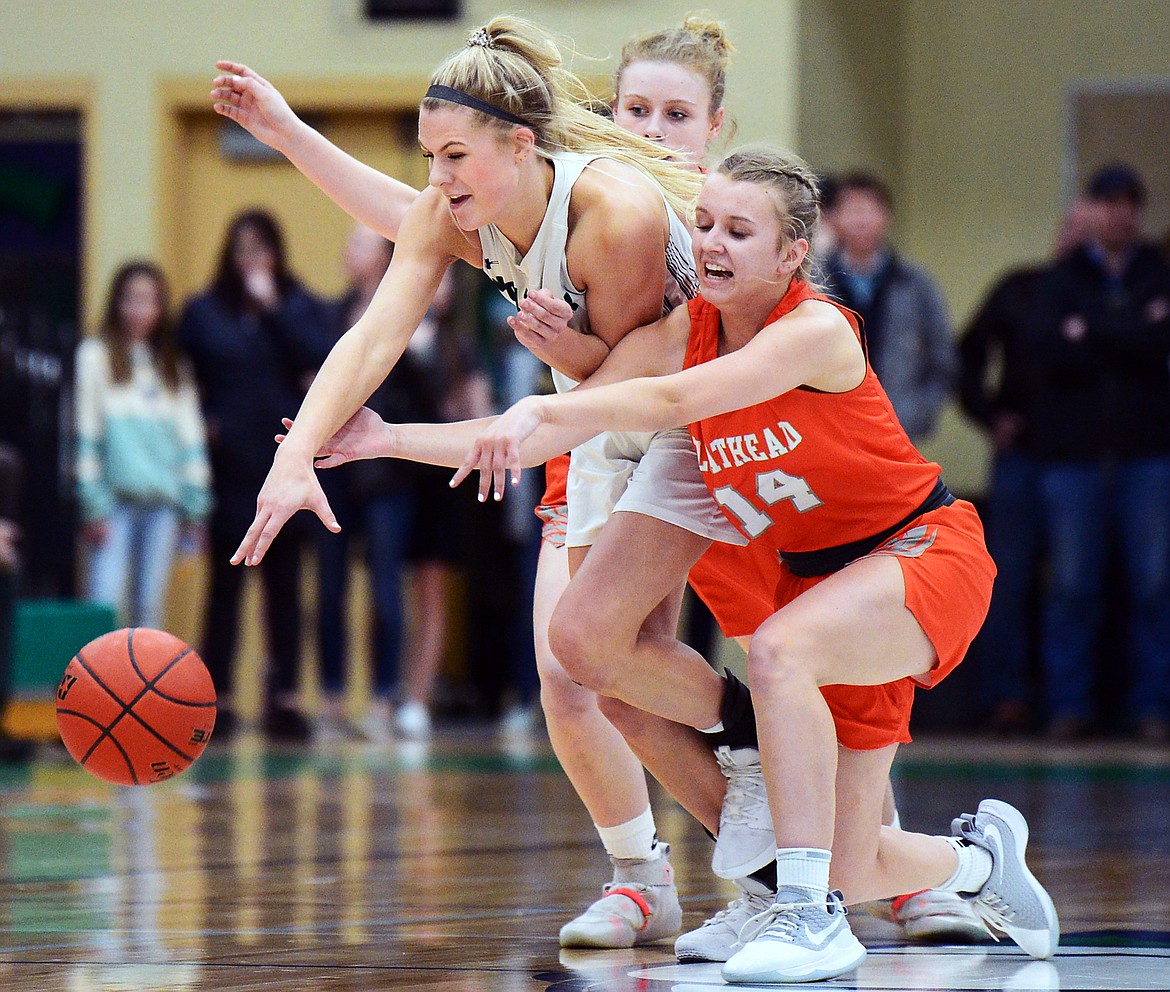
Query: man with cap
point(1101, 426)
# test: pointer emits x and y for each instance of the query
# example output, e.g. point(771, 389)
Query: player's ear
point(792, 254)
point(715, 125)
point(523, 143)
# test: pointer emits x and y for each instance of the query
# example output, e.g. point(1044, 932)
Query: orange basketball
point(136, 706)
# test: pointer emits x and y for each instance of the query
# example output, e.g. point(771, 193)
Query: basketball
point(136, 706)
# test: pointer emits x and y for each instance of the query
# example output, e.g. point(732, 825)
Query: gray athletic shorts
point(653, 474)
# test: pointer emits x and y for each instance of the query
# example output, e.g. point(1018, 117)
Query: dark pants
point(1014, 538)
point(1088, 507)
point(385, 522)
point(280, 574)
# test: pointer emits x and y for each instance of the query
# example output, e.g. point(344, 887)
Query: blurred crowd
point(1065, 366)
point(176, 409)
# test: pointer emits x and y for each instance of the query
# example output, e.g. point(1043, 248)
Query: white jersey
point(545, 266)
point(604, 470)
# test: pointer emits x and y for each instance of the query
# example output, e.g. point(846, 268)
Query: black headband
point(451, 95)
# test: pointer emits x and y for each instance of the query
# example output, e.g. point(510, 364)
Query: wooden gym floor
point(451, 865)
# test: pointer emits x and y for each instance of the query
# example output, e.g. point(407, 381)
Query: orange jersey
point(807, 470)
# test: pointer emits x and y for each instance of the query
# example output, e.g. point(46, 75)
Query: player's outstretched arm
point(367, 195)
point(366, 435)
point(358, 362)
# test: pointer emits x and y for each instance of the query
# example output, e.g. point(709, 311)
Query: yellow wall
point(962, 107)
point(135, 60)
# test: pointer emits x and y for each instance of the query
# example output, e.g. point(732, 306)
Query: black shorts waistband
point(825, 561)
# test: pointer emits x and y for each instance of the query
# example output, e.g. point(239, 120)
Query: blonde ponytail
point(513, 66)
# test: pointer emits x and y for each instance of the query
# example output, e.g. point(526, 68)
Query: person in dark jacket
point(904, 318)
point(1101, 430)
point(1001, 355)
point(377, 501)
point(254, 338)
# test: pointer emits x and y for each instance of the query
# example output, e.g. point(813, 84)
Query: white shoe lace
point(780, 921)
point(994, 912)
point(746, 792)
point(736, 907)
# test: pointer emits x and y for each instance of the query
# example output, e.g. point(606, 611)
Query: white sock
point(712, 730)
point(632, 839)
point(974, 867)
point(805, 869)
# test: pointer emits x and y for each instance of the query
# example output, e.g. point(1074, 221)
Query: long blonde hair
point(700, 45)
point(515, 66)
point(795, 184)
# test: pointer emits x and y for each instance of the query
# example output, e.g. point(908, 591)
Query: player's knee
point(562, 699)
point(578, 647)
point(777, 658)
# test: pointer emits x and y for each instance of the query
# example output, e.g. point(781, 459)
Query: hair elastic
point(481, 38)
point(451, 95)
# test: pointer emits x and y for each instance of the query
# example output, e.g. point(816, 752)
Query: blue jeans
point(1088, 505)
point(385, 522)
point(1014, 538)
point(131, 569)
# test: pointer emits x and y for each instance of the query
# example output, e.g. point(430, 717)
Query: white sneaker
point(1011, 901)
point(937, 916)
point(639, 906)
point(375, 726)
point(330, 729)
point(797, 942)
point(413, 720)
point(747, 840)
point(724, 934)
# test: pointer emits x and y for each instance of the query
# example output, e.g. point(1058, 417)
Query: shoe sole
point(744, 868)
point(695, 957)
point(842, 962)
point(945, 930)
point(1019, 834)
point(593, 942)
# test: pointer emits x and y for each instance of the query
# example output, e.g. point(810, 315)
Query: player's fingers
point(536, 311)
point(248, 544)
point(500, 469)
point(324, 513)
point(553, 304)
point(239, 69)
point(486, 469)
point(514, 465)
point(272, 527)
point(470, 463)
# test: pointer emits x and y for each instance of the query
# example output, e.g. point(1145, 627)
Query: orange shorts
point(948, 574)
point(553, 507)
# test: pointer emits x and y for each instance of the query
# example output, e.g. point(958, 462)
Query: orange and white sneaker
point(937, 917)
point(640, 906)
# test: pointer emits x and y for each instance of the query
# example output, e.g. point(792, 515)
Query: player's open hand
point(364, 435)
point(291, 485)
point(497, 450)
point(253, 103)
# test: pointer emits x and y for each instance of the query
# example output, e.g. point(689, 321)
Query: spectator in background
point(1007, 334)
point(12, 751)
point(255, 337)
point(142, 473)
point(1102, 424)
point(443, 347)
point(399, 510)
point(905, 323)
